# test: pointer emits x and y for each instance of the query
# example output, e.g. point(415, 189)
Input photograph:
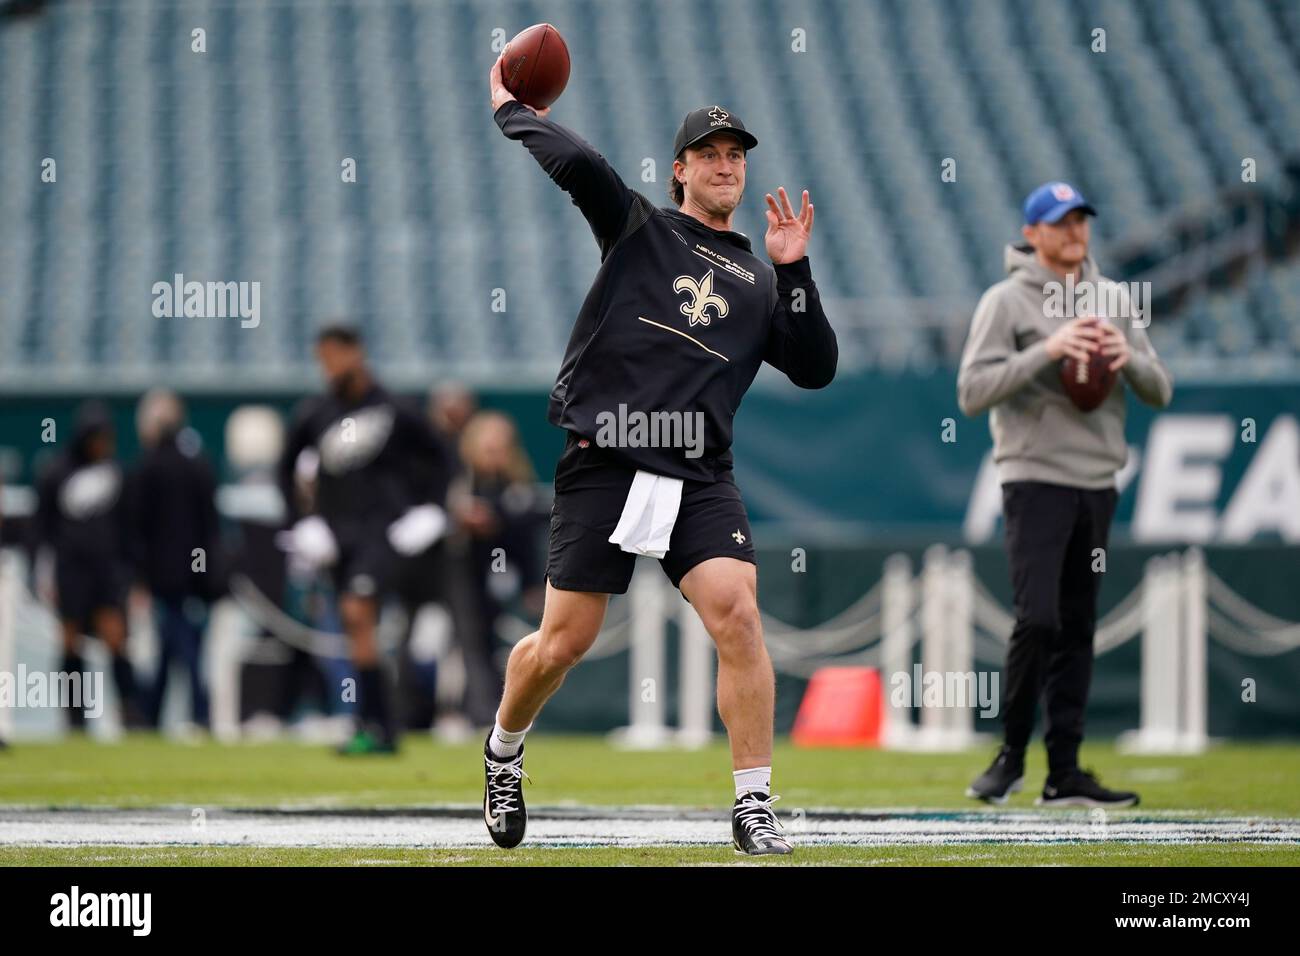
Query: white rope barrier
point(1273, 631)
point(853, 616)
point(1251, 643)
point(824, 642)
point(266, 613)
point(944, 607)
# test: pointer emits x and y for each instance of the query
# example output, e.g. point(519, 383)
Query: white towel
point(648, 515)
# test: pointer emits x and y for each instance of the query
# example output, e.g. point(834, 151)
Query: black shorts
point(367, 565)
point(591, 487)
point(87, 584)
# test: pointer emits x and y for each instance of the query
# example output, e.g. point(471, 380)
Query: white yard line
point(592, 826)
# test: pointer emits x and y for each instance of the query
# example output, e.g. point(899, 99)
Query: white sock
point(506, 743)
point(754, 778)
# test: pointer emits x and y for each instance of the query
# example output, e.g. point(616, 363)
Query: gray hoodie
point(1038, 434)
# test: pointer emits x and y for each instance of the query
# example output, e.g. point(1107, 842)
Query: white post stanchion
point(934, 649)
point(695, 682)
point(960, 637)
point(896, 647)
point(647, 726)
point(947, 648)
point(1160, 676)
point(1162, 659)
point(222, 652)
point(1193, 674)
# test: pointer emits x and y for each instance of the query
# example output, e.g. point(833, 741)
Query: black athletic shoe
point(1002, 779)
point(754, 826)
point(1080, 788)
point(503, 798)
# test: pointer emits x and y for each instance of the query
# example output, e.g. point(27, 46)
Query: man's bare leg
point(723, 592)
point(538, 664)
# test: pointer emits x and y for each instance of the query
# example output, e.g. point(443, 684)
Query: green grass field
point(145, 772)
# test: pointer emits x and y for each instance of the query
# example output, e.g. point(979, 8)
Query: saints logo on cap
point(719, 115)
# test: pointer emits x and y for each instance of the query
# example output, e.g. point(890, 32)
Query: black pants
point(1053, 533)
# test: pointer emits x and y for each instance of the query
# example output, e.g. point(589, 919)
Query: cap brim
point(746, 138)
point(1054, 214)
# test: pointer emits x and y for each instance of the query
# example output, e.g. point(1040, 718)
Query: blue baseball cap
point(1050, 201)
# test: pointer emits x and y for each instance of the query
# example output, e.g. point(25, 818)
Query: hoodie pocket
point(1088, 446)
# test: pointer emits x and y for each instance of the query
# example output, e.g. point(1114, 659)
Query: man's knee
point(735, 623)
point(561, 646)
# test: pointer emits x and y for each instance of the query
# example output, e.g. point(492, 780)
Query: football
point(536, 66)
point(1087, 383)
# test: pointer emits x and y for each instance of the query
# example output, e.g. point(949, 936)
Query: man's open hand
point(500, 94)
point(787, 234)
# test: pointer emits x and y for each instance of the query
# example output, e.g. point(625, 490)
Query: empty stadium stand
point(225, 165)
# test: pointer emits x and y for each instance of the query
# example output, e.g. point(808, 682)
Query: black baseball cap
point(711, 119)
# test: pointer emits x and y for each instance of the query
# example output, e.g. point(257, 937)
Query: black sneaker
point(503, 798)
point(754, 826)
point(1080, 788)
point(1003, 778)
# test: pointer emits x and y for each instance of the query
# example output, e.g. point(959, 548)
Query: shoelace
point(502, 777)
point(755, 815)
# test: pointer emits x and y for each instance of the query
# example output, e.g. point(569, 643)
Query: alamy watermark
point(36, 689)
point(208, 300)
point(624, 429)
point(1115, 300)
point(133, 911)
point(945, 689)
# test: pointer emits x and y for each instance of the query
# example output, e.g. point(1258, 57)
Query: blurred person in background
point(80, 522)
point(440, 577)
point(380, 486)
point(493, 502)
point(498, 507)
point(173, 539)
point(451, 406)
point(279, 676)
point(451, 574)
point(1057, 468)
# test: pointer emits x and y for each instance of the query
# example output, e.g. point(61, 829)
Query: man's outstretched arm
point(574, 165)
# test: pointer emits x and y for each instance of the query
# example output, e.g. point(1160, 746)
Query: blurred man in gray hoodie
point(1057, 468)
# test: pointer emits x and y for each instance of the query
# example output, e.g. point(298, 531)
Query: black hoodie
point(680, 316)
point(378, 457)
point(172, 510)
point(80, 510)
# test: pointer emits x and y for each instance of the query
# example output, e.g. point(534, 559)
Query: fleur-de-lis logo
point(719, 114)
point(702, 297)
